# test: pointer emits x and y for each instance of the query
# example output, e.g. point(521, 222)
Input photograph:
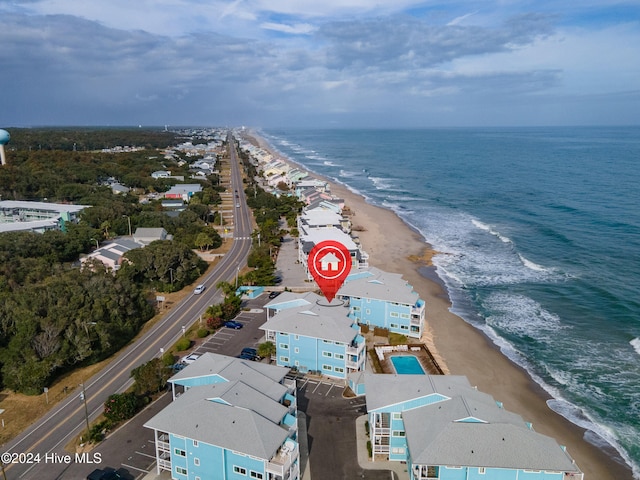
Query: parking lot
point(330, 417)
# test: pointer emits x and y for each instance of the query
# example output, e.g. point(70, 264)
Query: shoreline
point(459, 347)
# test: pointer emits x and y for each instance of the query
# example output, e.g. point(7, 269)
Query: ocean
point(539, 230)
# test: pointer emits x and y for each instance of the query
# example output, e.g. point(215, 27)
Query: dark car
point(99, 474)
point(233, 324)
point(246, 356)
point(250, 351)
point(274, 294)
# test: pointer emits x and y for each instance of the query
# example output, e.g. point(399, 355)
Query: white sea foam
point(330, 163)
point(487, 228)
point(381, 183)
point(635, 343)
point(532, 265)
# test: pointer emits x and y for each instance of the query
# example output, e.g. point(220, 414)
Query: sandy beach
point(462, 349)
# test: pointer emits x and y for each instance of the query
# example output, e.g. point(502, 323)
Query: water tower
point(4, 139)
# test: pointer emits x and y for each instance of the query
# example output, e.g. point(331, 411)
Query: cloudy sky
point(320, 63)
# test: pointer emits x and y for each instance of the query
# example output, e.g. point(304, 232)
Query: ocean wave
point(487, 228)
point(635, 343)
point(329, 163)
point(533, 266)
point(381, 183)
point(522, 316)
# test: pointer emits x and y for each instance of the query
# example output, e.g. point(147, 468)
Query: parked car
point(250, 351)
point(176, 367)
point(233, 324)
point(189, 359)
point(274, 294)
point(246, 356)
point(99, 474)
point(199, 289)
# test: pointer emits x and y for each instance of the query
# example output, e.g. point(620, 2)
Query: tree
point(150, 377)
point(121, 406)
point(267, 349)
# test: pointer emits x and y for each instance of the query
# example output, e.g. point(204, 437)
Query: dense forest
point(54, 315)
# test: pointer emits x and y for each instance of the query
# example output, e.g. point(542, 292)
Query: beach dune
point(459, 347)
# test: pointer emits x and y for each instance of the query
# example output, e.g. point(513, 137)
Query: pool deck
point(420, 351)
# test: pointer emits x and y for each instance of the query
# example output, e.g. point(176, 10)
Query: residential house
point(235, 419)
point(318, 337)
point(183, 191)
point(383, 299)
point(444, 429)
point(112, 253)
point(145, 236)
point(161, 174)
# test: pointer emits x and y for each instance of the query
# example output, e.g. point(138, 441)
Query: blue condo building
point(230, 419)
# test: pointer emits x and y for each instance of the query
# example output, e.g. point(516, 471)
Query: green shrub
point(369, 448)
point(202, 332)
point(121, 406)
point(183, 344)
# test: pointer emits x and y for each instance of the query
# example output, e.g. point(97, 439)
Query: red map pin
point(329, 263)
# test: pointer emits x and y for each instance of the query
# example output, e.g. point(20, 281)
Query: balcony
point(283, 460)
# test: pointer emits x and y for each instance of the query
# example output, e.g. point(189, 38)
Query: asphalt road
point(43, 442)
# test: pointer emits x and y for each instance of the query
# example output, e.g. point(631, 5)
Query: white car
point(199, 289)
point(189, 359)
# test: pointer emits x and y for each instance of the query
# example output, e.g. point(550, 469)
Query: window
point(404, 315)
point(393, 325)
point(339, 356)
point(195, 443)
point(326, 341)
point(394, 314)
point(284, 346)
point(397, 450)
point(296, 350)
point(179, 452)
point(481, 470)
point(368, 311)
point(196, 461)
point(338, 369)
point(240, 470)
point(297, 363)
point(404, 327)
point(327, 354)
point(297, 337)
point(181, 471)
point(282, 334)
point(257, 475)
point(397, 416)
point(327, 367)
point(398, 433)
point(284, 359)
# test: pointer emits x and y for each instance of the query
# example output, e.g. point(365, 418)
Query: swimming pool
point(407, 365)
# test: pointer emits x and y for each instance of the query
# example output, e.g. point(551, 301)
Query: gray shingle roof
point(230, 427)
point(260, 376)
point(317, 321)
point(380, 285)
point(383, 390)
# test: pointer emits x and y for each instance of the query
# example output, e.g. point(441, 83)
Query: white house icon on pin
point(329, 262)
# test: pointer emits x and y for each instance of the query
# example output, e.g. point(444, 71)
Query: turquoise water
point(406, 365)
point(540, 234)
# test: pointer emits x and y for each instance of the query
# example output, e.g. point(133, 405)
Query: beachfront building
point(146, 235)
point(37, 217)
point(316, 337)
point(447, 430)
point(287, 300)
point(234, 419)
point(309, 237)
point(323, 218)
point(385, 300)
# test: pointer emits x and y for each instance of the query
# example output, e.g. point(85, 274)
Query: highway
point(44, 441)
